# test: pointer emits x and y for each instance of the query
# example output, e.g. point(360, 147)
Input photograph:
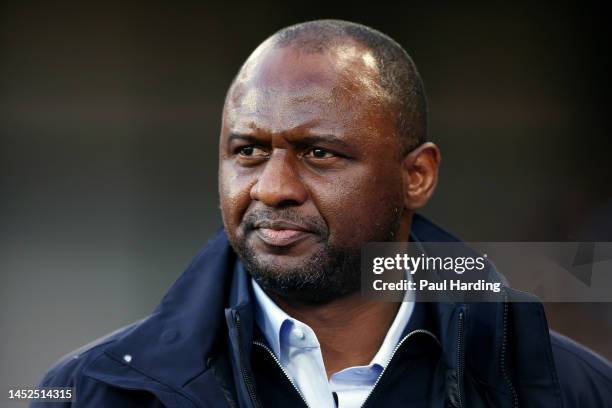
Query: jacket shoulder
point(585, 377)
point(66, 370)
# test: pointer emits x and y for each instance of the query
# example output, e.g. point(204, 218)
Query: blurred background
point(109, 119)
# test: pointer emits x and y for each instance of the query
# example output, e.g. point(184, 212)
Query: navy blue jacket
point(197, 350)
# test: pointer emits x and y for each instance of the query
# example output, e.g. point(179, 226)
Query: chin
point(283, 264)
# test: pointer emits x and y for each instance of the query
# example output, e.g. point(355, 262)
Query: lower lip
point(280, 238)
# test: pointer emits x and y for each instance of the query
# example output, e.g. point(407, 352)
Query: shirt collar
point(269, 317)
point(394, 334)
point(273, 321)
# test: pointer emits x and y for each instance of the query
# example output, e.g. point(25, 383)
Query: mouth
point(281, 233)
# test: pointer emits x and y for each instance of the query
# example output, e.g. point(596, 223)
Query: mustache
point(253, 219)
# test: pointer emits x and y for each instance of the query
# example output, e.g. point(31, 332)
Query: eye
point(318, 153)
point(251, 151)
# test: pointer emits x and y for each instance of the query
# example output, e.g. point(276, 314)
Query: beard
point(330, 273)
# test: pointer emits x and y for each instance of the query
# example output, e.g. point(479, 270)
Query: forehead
point(283, 88)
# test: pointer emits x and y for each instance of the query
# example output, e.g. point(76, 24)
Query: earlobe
point(420, 175)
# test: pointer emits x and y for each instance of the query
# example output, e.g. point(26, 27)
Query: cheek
point(234, 196)
point(360, 208)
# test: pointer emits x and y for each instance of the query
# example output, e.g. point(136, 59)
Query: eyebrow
point(304, 141)
point(243, 137)
point(317, 139)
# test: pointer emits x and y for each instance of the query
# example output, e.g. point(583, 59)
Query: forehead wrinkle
point(285, 112)
point(253, 99)
point(277, 101)
point(301, 128)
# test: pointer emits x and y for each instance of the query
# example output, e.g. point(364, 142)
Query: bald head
point(383, 68)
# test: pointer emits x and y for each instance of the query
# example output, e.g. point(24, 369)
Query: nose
point(278, 184)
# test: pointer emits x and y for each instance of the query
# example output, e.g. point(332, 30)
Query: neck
point(350, 330)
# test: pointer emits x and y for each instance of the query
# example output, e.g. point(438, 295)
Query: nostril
point(288, 203)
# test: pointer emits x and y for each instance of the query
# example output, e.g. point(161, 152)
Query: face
point(309, 169)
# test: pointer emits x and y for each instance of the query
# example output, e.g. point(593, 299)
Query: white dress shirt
point(296, 346)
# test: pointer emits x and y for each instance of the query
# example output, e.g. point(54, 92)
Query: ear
point(420, 175)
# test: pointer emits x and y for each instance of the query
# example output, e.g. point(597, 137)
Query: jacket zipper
point(262, 345)
point(399, 345)
point(503, 355)
point(460, 359)
point(248, 380)
point(406, 337)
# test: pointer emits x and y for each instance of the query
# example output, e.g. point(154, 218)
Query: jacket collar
point(512, 333)
point(191, 323)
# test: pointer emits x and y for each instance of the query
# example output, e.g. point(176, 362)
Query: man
point(323, 149)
